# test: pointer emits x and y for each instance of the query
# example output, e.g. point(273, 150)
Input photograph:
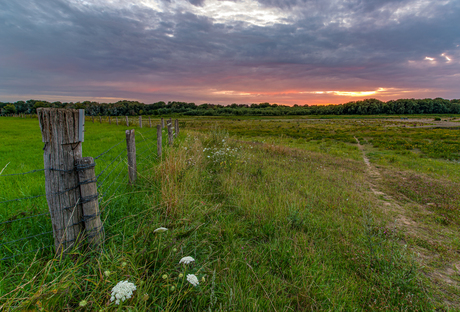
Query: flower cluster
point(192, 279)
point(122, 291)
point(221, 153)
point(186, 260)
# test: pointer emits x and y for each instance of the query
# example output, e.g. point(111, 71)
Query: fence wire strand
point(97, 177)
point(27, 252)
point(105, 152)
point(20, 219)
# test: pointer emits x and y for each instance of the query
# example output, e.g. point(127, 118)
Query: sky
point(236, 51)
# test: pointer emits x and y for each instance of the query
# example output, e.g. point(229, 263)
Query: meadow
point(279, 214)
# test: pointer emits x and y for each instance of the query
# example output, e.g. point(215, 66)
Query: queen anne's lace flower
point(122, 291)
point(160, 230)
point(186, 260)
point(192, 279)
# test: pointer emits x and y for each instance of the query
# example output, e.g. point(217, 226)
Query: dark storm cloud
point(63, 46)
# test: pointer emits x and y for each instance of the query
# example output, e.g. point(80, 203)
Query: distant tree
point(9, 109)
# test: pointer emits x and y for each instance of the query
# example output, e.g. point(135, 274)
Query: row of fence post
point(127, 121)
point(70, 181)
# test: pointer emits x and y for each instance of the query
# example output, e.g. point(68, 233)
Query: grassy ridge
point(275, 222)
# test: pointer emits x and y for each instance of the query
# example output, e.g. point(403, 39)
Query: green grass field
point(279, 215)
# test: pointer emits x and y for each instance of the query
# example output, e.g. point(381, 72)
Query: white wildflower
point(83, 303)
point(192, 279)
point(160, 230)
point(122, 291)
point(186, 260)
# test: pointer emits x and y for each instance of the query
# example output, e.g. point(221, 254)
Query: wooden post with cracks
point(140, 121)
point(89, 201)
point(127, 121)
point(62, 138)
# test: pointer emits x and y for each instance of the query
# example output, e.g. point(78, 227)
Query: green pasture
point(279, 215)
point(22, 151)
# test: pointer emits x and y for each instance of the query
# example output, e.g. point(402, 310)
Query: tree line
point(133, 108)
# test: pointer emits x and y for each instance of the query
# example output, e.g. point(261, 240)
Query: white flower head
point(186, 260)
point(160, 230)
point(122, 291)
point(192, 279)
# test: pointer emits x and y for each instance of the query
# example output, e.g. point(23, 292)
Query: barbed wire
point(15, 174)
point(100, 184)
point(22, 198)
point(103, 153)
point(113, 181)
point(20, 219)
point(124, 177)
point(27, 252)
point(97, 177)
point(23, 238)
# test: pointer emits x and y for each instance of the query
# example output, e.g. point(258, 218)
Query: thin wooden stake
point(150, 123)
point(127, 121)
point(162, 123)
point(132, 166)
point(170, 134)
point(176, 128)
point(159, 140)
point(140, 121)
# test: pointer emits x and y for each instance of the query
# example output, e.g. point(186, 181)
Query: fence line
point(113, 176)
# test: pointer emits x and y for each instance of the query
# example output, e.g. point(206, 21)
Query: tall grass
point(271, 225)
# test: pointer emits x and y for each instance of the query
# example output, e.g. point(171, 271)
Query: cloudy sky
point(234, 51)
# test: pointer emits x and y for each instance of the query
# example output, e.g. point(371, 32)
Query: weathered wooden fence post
point(89, 203)
point(162, 123)
point(176, 128)
point(159, 140)
point(150, 123)
point(100, 119)
point(127, 121)
point(62, 134)
point(132, 166)
point(140, 121)
point(170, 134)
